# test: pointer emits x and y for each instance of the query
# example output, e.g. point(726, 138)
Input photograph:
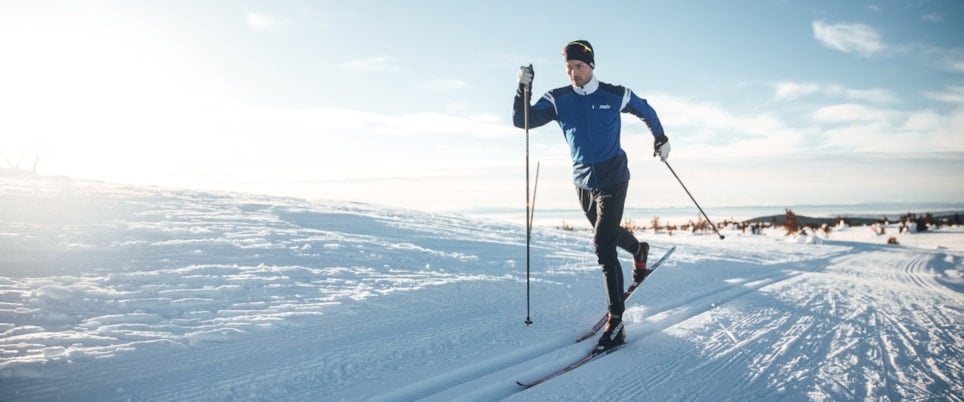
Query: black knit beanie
point(580, 50)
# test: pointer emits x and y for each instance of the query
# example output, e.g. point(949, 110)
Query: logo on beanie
point(579, 50)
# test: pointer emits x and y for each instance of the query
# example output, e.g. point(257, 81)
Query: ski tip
point(521, 384)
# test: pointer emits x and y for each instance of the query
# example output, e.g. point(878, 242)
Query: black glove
point(661, 147)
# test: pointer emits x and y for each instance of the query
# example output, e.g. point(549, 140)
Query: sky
point(408, 104)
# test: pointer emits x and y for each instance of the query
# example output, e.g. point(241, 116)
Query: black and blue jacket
point(590, 121)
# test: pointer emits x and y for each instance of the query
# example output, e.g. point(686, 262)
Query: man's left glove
point(661, 147)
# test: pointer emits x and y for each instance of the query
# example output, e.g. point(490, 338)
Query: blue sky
point(409, 103)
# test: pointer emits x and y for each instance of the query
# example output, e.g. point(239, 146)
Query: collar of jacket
point(589, 88)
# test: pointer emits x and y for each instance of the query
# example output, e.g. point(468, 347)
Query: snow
point(112, 292)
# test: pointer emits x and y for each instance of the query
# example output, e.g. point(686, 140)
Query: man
point(588, 111)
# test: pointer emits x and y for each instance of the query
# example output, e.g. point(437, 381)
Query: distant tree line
point(794, 224)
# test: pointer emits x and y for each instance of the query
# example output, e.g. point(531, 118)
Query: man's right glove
point(661, 147)
point(525, 76)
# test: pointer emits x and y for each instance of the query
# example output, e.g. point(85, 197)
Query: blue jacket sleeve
point(640, 108)
point(539, 114)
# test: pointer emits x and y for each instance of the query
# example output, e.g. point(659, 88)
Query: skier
point(588, 111)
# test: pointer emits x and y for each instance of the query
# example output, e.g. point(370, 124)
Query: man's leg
point(625, 240)
point(604, 209)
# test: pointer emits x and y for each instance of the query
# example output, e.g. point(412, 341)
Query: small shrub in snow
point(632, 227)
point(790, 222)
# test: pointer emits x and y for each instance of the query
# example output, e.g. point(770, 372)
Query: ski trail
point(869, 325)
point(697, 306)
point(499, 382)
point(431, 386)
point(560, 349)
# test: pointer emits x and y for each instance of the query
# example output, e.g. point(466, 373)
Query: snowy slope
point(113, 292)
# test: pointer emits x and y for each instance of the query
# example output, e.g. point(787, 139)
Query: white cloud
point(864, 40)
point(789, 91)
point(876, 95)
point(259, 21)
point(953, 94)
point(865, 121)
point(923, 121)
point(849, 38)
point(795, 90)
point(862, 128)
point(848, 112)
point(710, 129)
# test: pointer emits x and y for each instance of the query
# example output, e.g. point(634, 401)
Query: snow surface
point(114, 293)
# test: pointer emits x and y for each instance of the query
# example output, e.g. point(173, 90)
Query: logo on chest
point(602, 107)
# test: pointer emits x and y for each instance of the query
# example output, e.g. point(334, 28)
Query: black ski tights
point(604, 209)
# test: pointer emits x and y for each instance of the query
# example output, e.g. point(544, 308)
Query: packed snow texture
point(112, 292)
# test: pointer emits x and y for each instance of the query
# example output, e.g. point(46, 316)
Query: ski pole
point(526, 89)
point(691, 197)
point(535, 189)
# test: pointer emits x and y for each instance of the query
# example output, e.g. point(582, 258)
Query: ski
point(629, 292)
point(592, 355)
point(595, 353)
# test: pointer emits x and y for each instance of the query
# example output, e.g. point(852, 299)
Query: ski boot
point(614, 335)
point(639, 262)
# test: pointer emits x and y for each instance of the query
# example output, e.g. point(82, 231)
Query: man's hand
point(525, 76)
point(661, 147)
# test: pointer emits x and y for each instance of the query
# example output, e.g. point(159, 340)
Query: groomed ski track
point(870, 351)
point(495, 378)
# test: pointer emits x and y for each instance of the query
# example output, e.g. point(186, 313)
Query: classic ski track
point(436, 385)
point(699, 305)
point(706, 301)
point(898, 350)
point(879, 361)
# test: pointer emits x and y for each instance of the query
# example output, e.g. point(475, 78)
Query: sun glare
point(78, 90)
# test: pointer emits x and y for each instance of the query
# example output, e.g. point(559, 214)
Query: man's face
point(579, 72)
